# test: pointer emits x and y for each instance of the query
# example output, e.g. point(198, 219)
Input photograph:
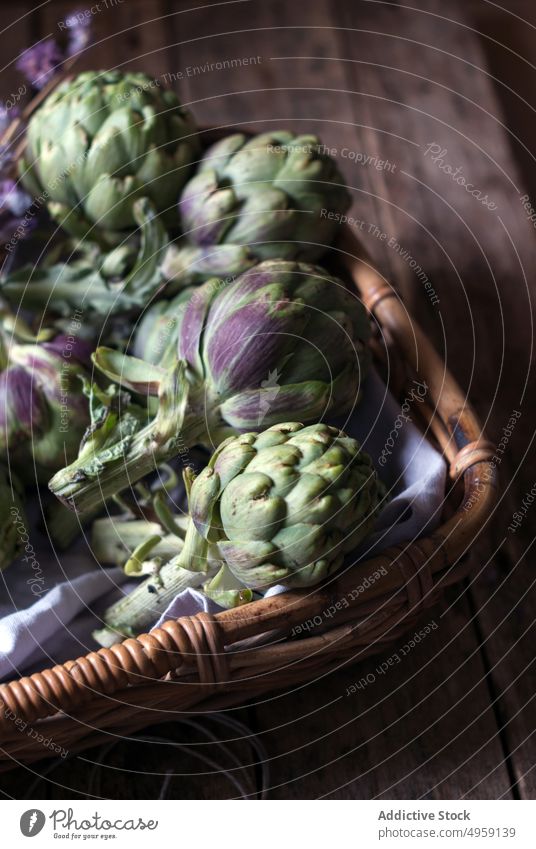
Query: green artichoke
point(283, 506)
point(275, 195)
point(283, 339)
point(103, 140)
point(279, 507)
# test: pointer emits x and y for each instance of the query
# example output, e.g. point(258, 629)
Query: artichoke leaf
point(226, 591)
point(129, 372)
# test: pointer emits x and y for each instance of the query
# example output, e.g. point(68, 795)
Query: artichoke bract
point(284, 339)
point(276, 195)
point(43, 409)
point(103, 140)
point(280, 507)
point(156, 336)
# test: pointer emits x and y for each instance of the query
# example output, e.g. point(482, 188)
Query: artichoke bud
point(272, 194)
point(243, 361)
point(291, 510)
point(253, 340)
point(192, 264)
point(102, 140)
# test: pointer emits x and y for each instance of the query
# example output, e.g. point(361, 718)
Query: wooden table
point(423, 92)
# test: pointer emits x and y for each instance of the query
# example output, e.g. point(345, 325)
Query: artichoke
point(284, 338)
point(102, 140)
point(43, 410)
point(276, 195)
point(283, 506)
point(279, 507)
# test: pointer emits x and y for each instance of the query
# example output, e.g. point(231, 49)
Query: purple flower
point(14, 203)
point(7, 116)
point(79, 26)
point(40, 62)
point(13, 198)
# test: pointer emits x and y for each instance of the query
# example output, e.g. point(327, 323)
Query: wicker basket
point(197, 664)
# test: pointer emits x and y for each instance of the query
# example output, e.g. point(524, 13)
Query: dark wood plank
point(480, 262)
point(509, 45)
point(506, 605)
point(507, 600)
point(422, 729)
point(18, 32)
point(266, 93)
point(200, 758)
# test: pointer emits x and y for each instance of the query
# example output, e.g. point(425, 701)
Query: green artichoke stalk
point(284, 338)
point(283, 506)
point(148, 532)
point(276, 195)
point(102, 140)
point(122, 280)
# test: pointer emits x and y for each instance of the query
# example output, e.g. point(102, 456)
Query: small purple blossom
point(79, 25)
point(40, 62)
point(14, 204)
point(13, 197)
point(7, 116)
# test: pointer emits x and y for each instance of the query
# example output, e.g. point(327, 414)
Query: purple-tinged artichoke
point(276, 195)
point(284, 339)
point(43, 409)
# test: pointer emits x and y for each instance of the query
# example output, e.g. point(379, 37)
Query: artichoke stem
point(141, 608)
point(83, 489)
point(64, 526)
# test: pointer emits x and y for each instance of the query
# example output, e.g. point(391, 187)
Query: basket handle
point(470, 454)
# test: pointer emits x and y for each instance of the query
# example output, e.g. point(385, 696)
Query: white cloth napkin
point(56, 625)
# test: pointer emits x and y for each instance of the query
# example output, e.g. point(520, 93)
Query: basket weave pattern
point(197, 663)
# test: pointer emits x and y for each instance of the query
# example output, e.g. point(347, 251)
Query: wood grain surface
point(455, 718)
